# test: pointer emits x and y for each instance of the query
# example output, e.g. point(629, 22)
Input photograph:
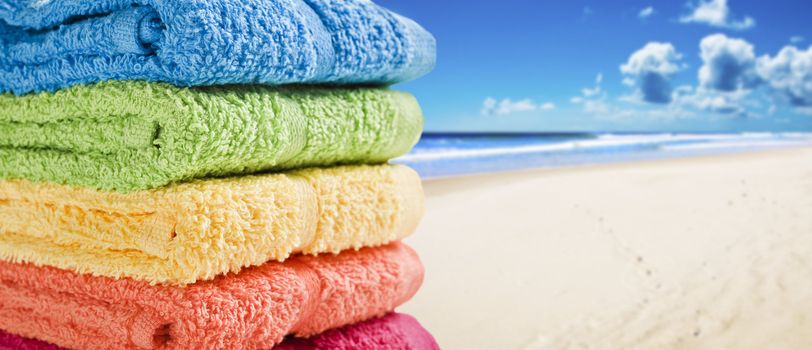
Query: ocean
point(454, 154)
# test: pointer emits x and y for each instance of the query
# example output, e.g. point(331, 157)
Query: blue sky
point(680, 65)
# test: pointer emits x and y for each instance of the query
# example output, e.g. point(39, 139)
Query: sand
point(697, 253)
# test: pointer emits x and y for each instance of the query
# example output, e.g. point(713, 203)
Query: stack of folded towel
point(208, 174)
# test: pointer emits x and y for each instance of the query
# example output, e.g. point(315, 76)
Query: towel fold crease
point(392, 332)
point(125, 136)
point(254, 309)
point(196, 231)
point(47, 45)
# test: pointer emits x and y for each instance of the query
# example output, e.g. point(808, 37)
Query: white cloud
point(789, 74)
point(716, 13)
point(646, 12)
point(590, 92)
point(602, 107)
point(708, 100)
point(507, 106)
point(593, 98)
point(796, 39)
point(731, 72)
point(650, 69)
point(596, 90)
point(596, 107)
point(728, 63)
point(660, 58)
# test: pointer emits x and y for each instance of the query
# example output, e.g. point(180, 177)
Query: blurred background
point(672, 210)
point(548, 83)
point(521, 65)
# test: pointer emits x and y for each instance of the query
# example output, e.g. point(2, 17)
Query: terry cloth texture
point(254, 309)
point(125, 136)
point(196, 231)
point(391, 332)
point(46, 45)
point(10, 341)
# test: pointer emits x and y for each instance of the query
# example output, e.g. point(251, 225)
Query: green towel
point(130, 135)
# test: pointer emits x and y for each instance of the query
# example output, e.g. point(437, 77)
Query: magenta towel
point(391, 332)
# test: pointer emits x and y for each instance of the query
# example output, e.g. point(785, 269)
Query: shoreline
point(688, 252)
point(622, 163)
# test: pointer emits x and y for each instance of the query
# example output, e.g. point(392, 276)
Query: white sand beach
point(696, 253)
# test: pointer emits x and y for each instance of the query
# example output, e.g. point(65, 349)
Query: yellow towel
point(195, 231)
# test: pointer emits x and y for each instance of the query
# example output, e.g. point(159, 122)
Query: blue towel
point(46, 45)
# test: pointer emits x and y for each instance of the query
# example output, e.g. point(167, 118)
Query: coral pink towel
point(254, 309)
point(391, 332)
